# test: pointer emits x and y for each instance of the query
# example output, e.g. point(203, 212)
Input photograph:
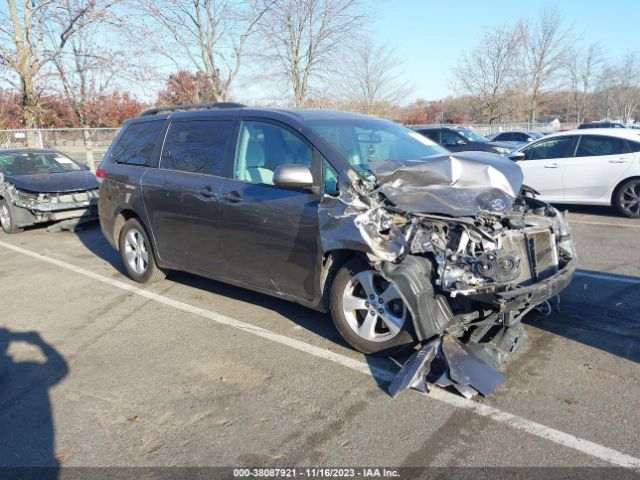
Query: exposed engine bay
point(470, 249)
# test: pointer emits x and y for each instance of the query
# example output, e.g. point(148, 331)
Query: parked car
point(598, 167)
point(514, 138)
point(340, 212)
point(601, 125)
point(39, 185)
point(457, 139)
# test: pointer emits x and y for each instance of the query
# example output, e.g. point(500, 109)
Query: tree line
point(68, 63)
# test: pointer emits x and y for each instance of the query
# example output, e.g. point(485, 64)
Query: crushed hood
point(460, 184)
point(54, 182)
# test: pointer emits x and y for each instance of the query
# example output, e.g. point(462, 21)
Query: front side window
point(137, 142)
point(553, 148)
point(263, 146)
point(330, 178)
point(32, 163)
point(595, 145)
point(361, 141)
point(197, 146)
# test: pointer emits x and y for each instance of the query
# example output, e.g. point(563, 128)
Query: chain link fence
point(488, 129)
point(88, 145)
point(85, 145)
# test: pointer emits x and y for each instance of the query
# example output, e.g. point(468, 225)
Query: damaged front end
point(30, 208)
point(469, 250)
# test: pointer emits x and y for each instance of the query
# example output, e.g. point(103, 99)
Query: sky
point(430, 36)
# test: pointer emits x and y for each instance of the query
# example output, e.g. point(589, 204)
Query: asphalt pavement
point(192, 372)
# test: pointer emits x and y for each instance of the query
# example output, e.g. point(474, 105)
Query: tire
point(136, 253)
point(627, 198)
point(364, 327)
point(6, 218)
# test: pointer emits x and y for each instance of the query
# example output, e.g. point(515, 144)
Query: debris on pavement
point(447, 362)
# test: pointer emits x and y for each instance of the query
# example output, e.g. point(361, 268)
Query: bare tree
point(211, 34)
point(304, 34)
point(545, 54)
point(369, 78)
point(30, 41)
point(488, 72)
point(621, 85)
point(583, 70)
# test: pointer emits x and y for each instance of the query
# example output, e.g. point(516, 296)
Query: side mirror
point(515, 156)
point(293, 176)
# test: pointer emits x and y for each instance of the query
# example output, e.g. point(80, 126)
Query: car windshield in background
point(472, 136)
point(32, 163)
point(363, 141)
point(535, 135)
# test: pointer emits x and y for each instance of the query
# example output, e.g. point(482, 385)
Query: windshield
point(535, 135)
point(472, 136)
point(31, 163)
point(360, 141)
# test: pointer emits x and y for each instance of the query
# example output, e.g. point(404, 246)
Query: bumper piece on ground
point(446, 362)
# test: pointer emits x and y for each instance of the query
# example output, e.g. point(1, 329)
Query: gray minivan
point(339, 212)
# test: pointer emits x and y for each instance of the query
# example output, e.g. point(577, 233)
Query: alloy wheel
point(5, 217)
point(136, 251)
point(630, 199)
point(373, 307)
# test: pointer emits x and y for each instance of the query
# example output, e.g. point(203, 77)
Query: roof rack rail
point(192, 106)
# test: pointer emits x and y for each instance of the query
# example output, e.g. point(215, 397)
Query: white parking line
point(610, 277)
point(586, 222)
point(520, 423)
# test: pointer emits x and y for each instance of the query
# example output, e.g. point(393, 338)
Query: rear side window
point(197, 146)
point(592, 146)
point(634, 146)
point(136, 144)
point(432, 134)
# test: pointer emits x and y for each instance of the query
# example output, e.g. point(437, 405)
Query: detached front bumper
point(523, 297)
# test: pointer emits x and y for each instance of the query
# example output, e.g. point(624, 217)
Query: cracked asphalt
point(108, 377)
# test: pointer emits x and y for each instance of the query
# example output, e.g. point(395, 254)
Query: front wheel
point(628, 198)
point(6, 218)
point(136, 253)
point(368, 311)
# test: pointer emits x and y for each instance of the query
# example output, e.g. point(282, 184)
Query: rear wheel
point(368, 311)
point(137, 254)
point(6, 218)
point(628, 198)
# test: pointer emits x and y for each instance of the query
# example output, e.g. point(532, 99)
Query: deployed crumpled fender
point(356, 220)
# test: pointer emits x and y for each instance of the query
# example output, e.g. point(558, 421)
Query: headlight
point(501, 150)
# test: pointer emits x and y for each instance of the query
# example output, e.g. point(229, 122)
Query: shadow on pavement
point(602, 311)
point(91, 237)
point(599, 312)
point(29, 367)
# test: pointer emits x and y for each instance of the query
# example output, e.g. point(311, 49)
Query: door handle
point(619, 160)
point(207, 192)
point(552, 165)
point(233, 197)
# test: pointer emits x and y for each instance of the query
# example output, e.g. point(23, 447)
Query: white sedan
point(588, 167)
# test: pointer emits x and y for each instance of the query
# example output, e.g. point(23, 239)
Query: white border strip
point(561, 438)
